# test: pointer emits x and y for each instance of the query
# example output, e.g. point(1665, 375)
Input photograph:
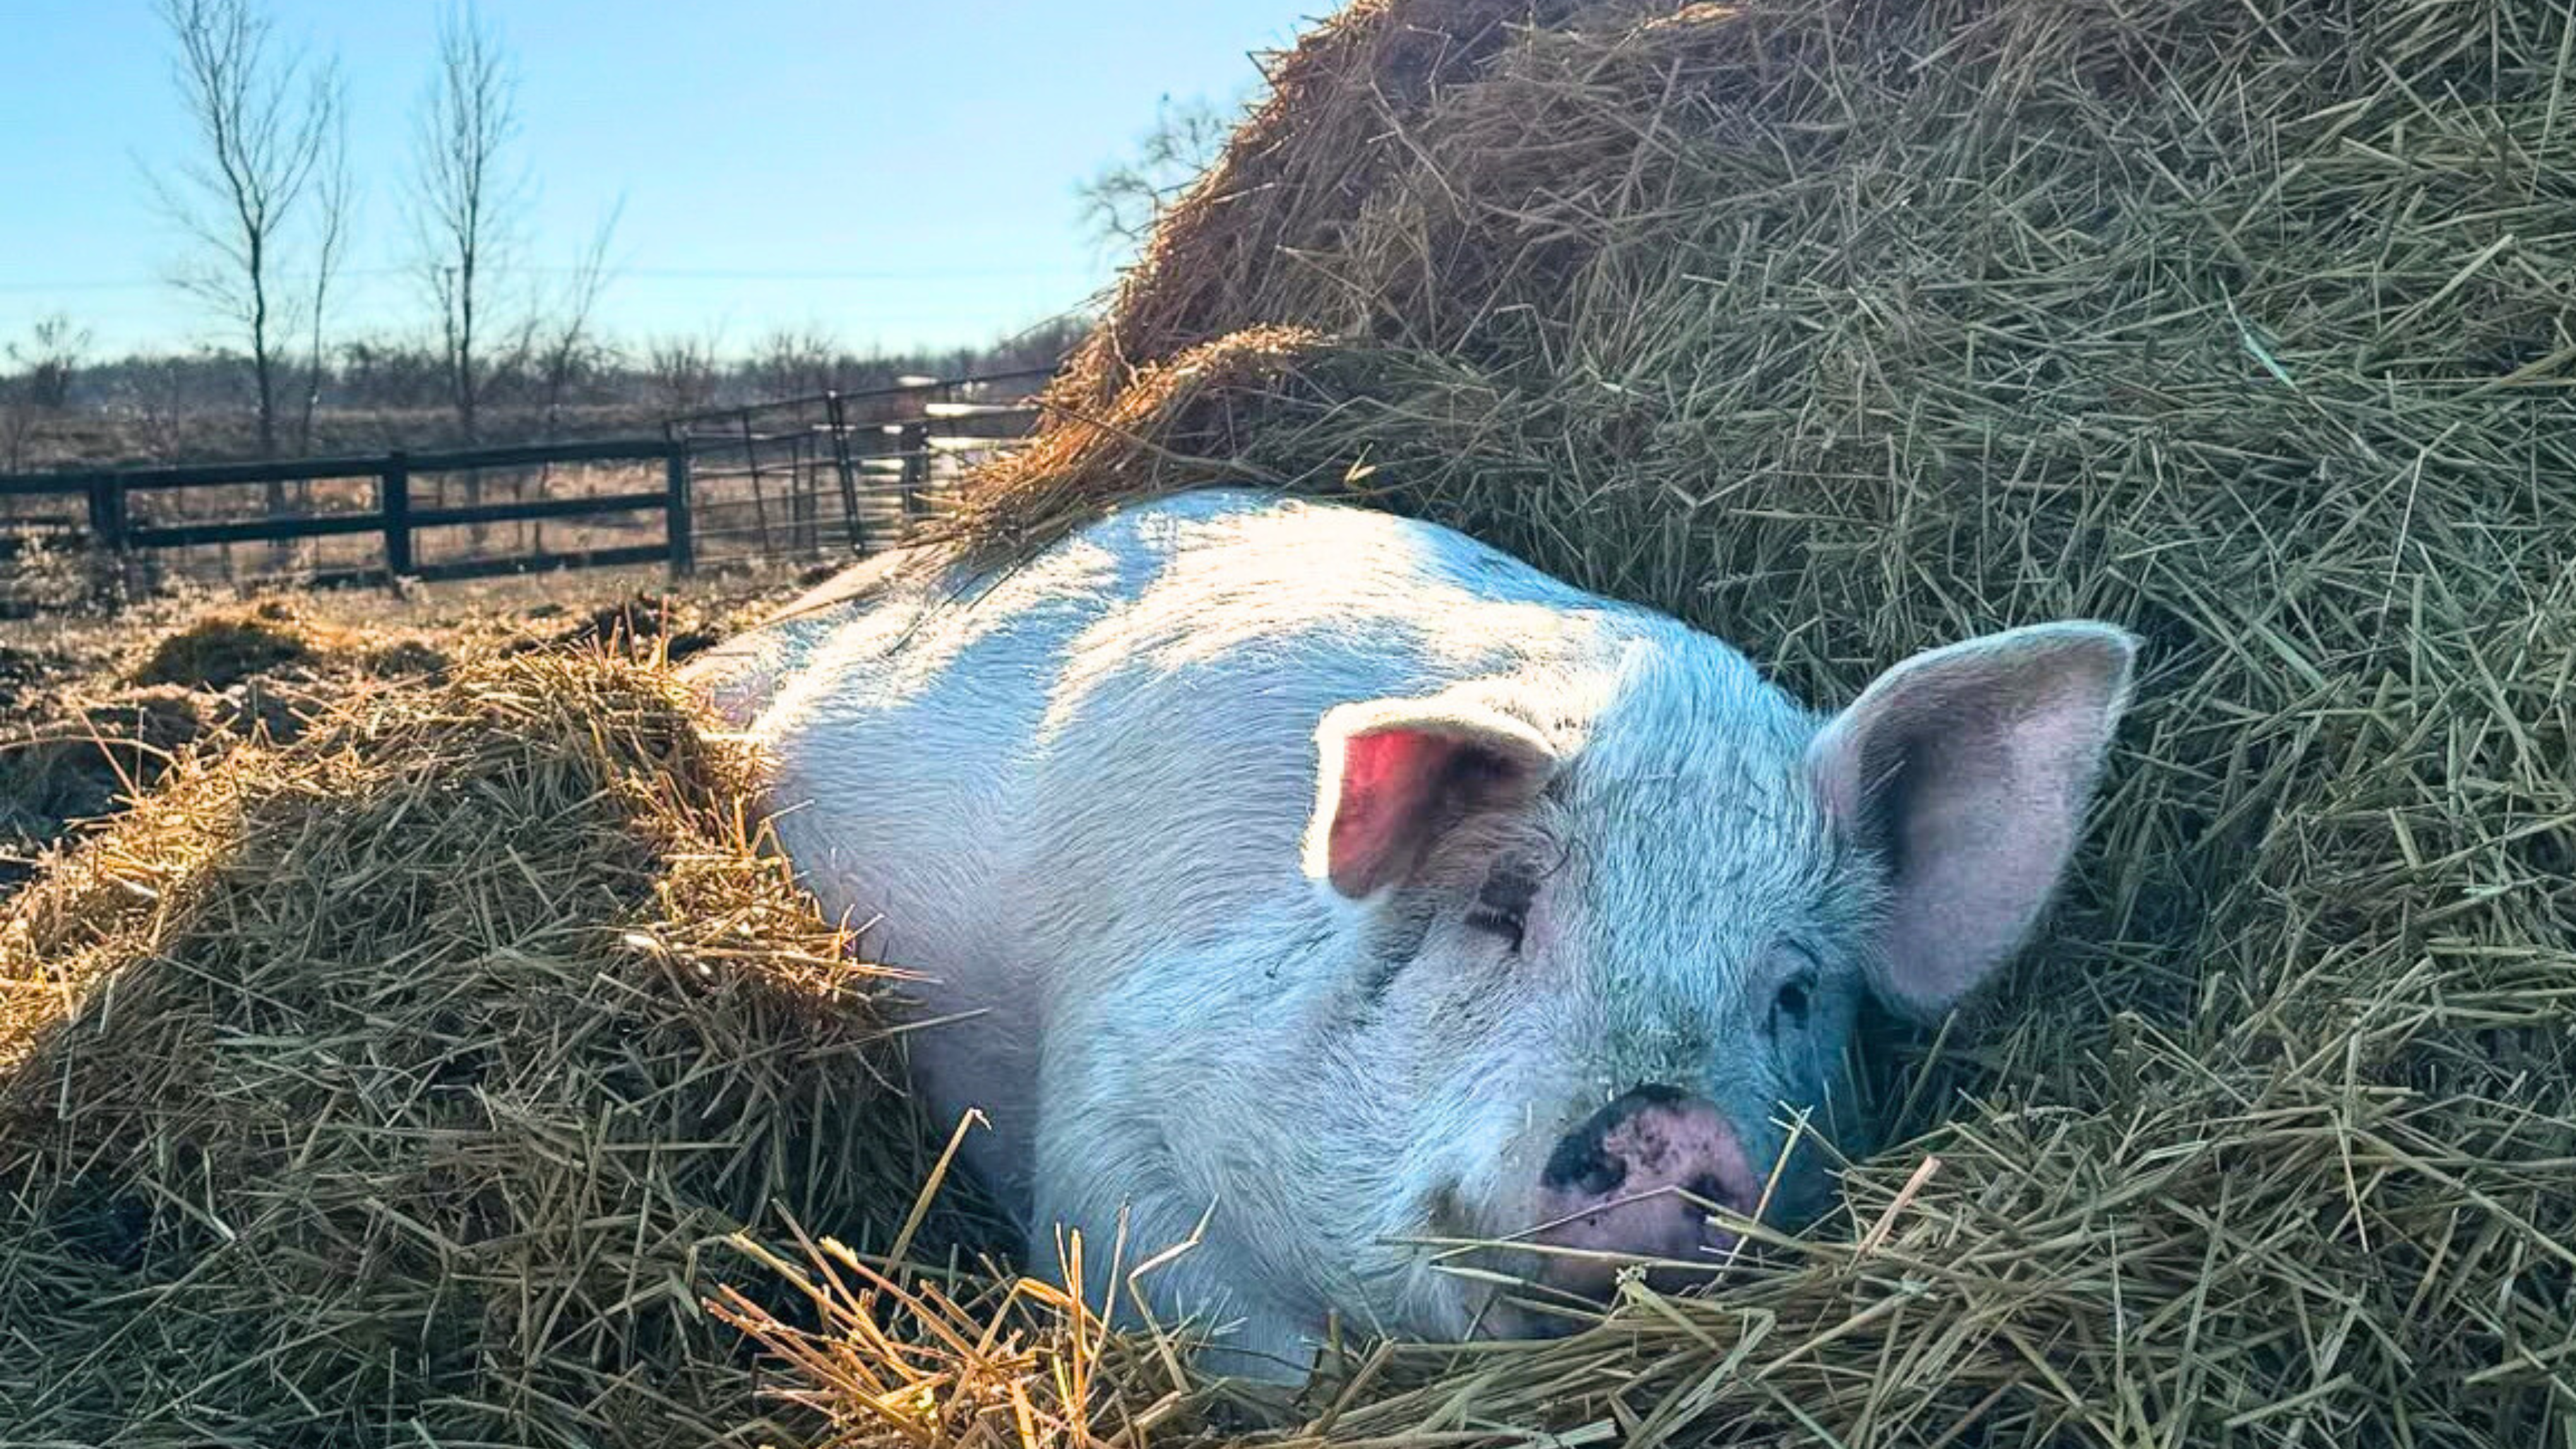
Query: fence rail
point(114, 531)
point(763, 479)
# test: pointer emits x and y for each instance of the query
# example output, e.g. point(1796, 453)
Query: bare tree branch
point(566, 344)
point(334, 198)
point(1122, 201)
point(263, 118)
point(468, 207)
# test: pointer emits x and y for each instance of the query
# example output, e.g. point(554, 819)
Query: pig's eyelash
point(1502, 907)
point(1564, 857)
point(1495, 923)
point(1795, 995)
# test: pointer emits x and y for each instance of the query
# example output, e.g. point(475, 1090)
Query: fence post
point(675, 504)
point(913, 442)
point(840, 421)
point(751, 460)
point(804, 480)
point(393, 499)
point(108, 536)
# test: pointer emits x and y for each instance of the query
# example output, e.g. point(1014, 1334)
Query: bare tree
point(561, 345)
point(48, 360)
point(788, 363)
point(43, 366)
point(1123, 200)
point(263, 116)
point(565, 344)
point(682, 371)
point(334, 199)
point(468, 203)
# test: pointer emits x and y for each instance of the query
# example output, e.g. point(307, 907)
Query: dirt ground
point(94, 707)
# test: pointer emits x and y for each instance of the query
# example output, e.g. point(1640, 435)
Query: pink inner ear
point(1387, 779)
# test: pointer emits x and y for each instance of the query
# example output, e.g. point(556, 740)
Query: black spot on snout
point(1579, 1163)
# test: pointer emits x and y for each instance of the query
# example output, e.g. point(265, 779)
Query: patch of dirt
point(26, 669)
point(642, 624)
point(90, 765)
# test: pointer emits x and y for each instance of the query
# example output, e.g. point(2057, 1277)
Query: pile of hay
point(404, 1085)
point(1847, 327)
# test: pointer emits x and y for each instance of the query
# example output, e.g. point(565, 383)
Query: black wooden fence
point(118, 514)
point(758, 481)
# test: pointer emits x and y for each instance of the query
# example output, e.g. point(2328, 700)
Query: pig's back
point(1154, 680)
point(1108, 754)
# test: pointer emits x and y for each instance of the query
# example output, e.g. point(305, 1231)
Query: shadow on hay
point(403, 1085)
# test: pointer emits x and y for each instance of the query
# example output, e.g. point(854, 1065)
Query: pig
point(1321, 887)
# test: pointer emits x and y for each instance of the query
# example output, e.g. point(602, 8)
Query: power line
point(726, 274)
point(699, 274)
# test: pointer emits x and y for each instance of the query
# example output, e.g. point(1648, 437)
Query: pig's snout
point(1635, 1180)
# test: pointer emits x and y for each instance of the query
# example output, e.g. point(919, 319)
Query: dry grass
point(404, 1084)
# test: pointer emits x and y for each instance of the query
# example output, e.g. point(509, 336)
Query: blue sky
point(889, 174)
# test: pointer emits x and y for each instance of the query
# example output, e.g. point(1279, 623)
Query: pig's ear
point(1968, 768)
point(1394, 775)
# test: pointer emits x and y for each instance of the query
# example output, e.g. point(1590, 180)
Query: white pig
point(1340, 881)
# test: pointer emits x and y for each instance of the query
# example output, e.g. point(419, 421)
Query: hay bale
point(1846, 327)
point(402, 1086)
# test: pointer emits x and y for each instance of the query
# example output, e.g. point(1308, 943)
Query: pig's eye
point(1793, 1002)
point(1502, 907)
point(1797, 994)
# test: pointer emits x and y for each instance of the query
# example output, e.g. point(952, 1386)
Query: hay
point(280, 640)
point(402, 1086)
point(226, 646)
point(73, 752)
point(1845, 328)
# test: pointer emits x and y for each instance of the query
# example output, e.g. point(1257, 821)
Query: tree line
point(392, 391)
